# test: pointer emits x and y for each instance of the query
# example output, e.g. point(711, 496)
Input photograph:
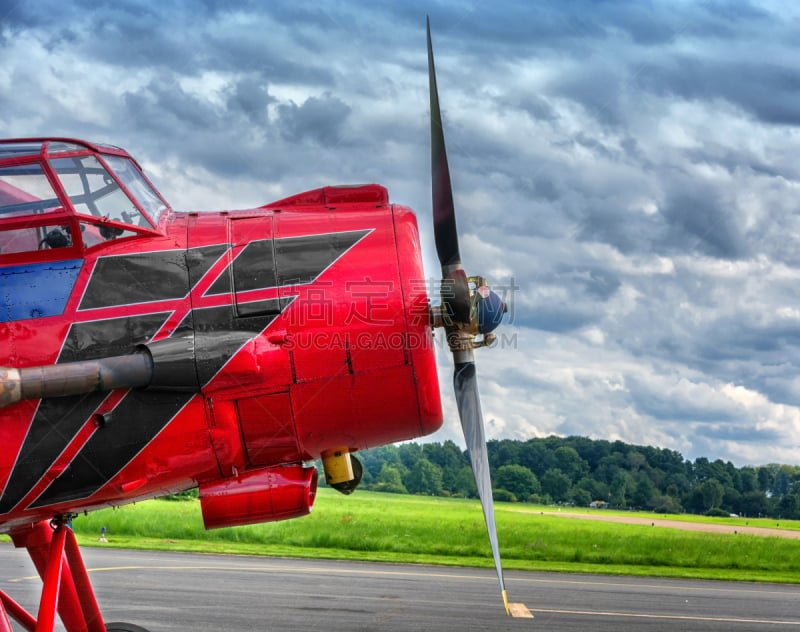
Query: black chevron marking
point(294, 261)
point(55, 424)
point(201, 259)
point(222, 285)
point(147, 277)
point(253, 269)
point(220, 333)
point(127, 432)
point(109, 337)
point(58, 420)
point(303, 259)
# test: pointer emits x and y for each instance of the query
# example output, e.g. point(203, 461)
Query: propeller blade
point(444, 215)
point(455, 288)
point(465, 384)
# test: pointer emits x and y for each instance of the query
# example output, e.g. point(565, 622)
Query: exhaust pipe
point(75, 378)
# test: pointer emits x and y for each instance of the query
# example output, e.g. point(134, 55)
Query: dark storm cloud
point(616, 226)
point(565, 299)
point(712, 438)
point(686, 402)
point(536, 107)
point(184, 37)
point(767, 90)
point(319, 119)
point(161, 111)
point(559, 317)
point(252, 52)
point(511, 30)
point(17, 14)
point(598, 90)
point(162, 105)
point(600, 284)
point(739, 433)
point(777, 383)
point(728, 345)
point(250, 98)
point(702, 223)
point(127, 32)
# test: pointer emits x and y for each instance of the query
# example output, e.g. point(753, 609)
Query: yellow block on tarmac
point(519, 610)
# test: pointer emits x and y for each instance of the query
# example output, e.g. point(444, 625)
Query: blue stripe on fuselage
point(37, 290)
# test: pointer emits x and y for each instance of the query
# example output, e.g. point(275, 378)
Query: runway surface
point(212, 593)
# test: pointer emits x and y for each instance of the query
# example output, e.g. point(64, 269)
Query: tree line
point(580, 471)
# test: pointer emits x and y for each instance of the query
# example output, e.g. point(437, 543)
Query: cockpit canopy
point(68, 194)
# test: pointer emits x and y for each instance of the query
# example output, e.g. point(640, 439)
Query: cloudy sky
point(630, 168)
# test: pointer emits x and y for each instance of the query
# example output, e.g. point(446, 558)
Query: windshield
point(25, 190)
point(93, 191)
point(137, 186)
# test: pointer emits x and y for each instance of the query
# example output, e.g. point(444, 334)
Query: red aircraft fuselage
point(276, 335)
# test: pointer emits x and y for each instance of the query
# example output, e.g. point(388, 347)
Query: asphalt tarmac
point(165, 592)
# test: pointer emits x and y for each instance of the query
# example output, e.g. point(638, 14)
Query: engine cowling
point(264, 495)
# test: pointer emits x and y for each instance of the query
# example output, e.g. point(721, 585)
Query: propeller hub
point(483, 314)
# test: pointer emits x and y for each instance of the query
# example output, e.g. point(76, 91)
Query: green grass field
point(415, 529)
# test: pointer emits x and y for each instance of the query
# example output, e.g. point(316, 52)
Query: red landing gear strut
point(66, 590)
